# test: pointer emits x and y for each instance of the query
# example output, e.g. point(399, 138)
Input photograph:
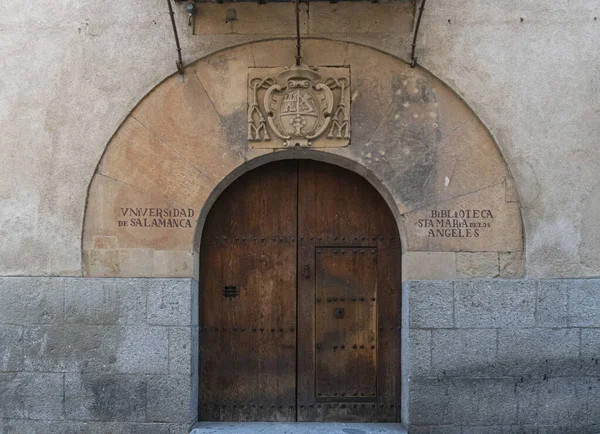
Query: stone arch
point(412, 137)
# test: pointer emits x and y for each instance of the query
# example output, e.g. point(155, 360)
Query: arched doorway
point(300, 293)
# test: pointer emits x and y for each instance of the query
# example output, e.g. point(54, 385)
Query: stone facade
point(98, 355)
point(499, 117)
point(503, 356)
point(120, 355)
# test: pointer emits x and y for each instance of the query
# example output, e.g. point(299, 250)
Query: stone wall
point(120, 355)
point(499, 356)
point(97, 355)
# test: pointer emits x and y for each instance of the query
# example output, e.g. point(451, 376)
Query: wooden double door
point(300, 294)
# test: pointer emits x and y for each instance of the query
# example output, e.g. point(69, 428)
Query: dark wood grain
point(258, 354)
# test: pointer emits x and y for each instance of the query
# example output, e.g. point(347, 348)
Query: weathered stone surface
point(584, 303)
point(431, 304)
point(590, 351)
point(169, 398)
point(552, 303)
point(501, 303)
point(428, 265)
point(183, 116)
point(420, 353)
point(477, 264)
point(139, 158)
point(349, 18)
point(105, 397)
point(169, 302)
point(105, 301)
point(538, 352)
point(272, 19)
point(24, 426)
point(143, 350)
point(180, 351)
point(173, 263)
point(566, 401)
point(512, 265)
point(31, 395)
point(428, 229)
point(463, 353)
point(11, 349)
point(224, 78)
point(32, 300)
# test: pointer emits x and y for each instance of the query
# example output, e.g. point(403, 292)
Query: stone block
point(179, 428)
point(569, 402)
point(105, 397)
point(463, 353)
point(430, 402)
point(552, 300)
point(420, 353)
point(28, 426)
point(444, 430)
point(169, 399)
point(31, 300)
point(495, 303)
point(141, 350)
point(327, 18)
point(272, 19)
point(538, 351)
point(128, 428)
point(477, 264)
point(479, 401)
point(431, 304)
point(105, 301)
point(173, 263)
point(137, 157)
point(31, 395)
point(68, 348)
point(428, 265)
point(590, 351)
point(11, 348)
point(180, 350)
point(584, 302)
point(169, 302)
point(497, 228)
point(512, 265)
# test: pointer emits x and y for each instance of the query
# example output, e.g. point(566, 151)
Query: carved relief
point(298, 106)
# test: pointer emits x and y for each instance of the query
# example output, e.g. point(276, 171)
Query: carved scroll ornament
point(298, 106)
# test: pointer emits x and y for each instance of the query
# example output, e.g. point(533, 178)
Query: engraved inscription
point(462, 223)
point(155, 217)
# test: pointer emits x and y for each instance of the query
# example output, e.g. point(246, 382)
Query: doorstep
point(296, 428)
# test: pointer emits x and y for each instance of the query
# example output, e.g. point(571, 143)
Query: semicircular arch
point(412, 137)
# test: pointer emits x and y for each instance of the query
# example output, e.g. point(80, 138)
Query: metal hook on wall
point(413, 59)
point(179, 61)
point(298, 42)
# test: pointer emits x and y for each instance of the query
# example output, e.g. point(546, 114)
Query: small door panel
point(346, 324)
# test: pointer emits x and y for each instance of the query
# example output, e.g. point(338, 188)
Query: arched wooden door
point(300, 293)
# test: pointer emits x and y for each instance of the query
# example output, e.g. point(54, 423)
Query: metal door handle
point(307, 271)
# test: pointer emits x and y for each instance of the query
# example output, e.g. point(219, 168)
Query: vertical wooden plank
point(337, 208)
point(249, 242)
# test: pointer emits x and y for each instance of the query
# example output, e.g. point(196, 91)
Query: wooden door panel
point(346, 323)
point(261, 277)
point(248, 300)
point(337, 208)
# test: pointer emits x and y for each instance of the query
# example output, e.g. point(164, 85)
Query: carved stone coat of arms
point(298, 107)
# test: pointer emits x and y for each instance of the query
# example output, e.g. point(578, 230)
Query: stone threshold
point(296, 428)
